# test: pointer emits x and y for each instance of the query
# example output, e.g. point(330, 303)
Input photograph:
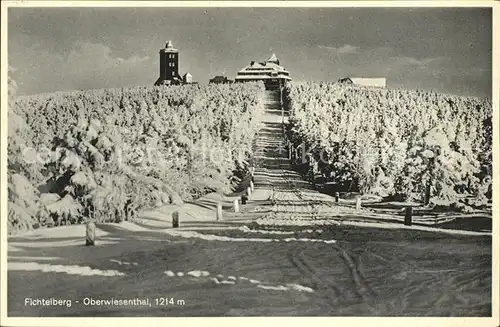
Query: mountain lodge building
point(269, 71)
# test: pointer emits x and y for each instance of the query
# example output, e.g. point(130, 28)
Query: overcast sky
point(442, 49)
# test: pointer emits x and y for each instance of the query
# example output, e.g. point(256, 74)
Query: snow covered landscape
point(298, 191)
point(288, 238)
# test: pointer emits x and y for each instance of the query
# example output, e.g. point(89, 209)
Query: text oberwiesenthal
point(88, 302)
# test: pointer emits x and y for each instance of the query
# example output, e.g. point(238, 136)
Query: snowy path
point(275, 179)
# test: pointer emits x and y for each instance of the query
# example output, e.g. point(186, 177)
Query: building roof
point(269, 69)
point(187, 74)
point(169, 47)
point(261, 77)
point(273, 59)
point(219, 79)
point(263, 67)
point(366, 81)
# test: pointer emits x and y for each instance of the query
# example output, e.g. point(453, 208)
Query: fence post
point(427, 193)
point(251, 186)
point(90, 233)
point(408, 213)
point(219, 211)
point(244, 199)
point(249, 192)
point(236, 205)
point(175, 219)
point(336, 197)
point(358, 203)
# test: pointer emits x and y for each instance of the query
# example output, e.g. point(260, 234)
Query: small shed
point(220, 80)
point(187, 78)
point(365, 81)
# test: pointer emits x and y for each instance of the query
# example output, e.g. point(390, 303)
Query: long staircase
point(275, 180)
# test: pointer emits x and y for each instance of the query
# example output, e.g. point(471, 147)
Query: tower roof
point(272, 58)
point(169, 47)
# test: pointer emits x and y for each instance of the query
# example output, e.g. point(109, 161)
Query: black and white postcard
point(329, 162)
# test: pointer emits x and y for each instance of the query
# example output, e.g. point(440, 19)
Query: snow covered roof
point(273, 59)
point(269, 69)
point(187, 74)
point(260, 77)
point(265, 66)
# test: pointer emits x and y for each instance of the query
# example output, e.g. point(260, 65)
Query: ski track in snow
point(124, 263)
point(211, 237)
point(293, 221)
point(246, 229)
point(233, 280)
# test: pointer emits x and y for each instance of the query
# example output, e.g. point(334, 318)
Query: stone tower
point(169, 65)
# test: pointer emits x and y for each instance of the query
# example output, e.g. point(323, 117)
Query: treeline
point(400, 144)
point(108, 153)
